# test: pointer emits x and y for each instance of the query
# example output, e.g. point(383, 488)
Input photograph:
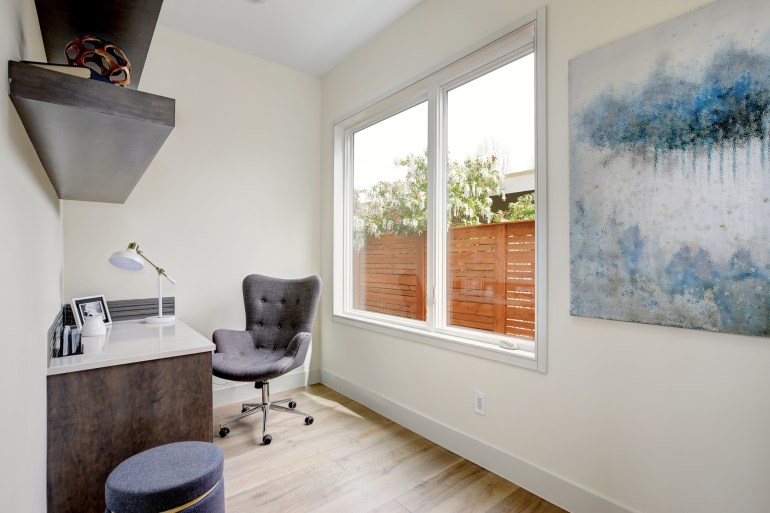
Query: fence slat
point(501, 256)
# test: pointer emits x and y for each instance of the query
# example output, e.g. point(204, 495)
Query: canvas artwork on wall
point(670, 173)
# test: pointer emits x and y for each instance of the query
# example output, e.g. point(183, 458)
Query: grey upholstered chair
point(279, 321)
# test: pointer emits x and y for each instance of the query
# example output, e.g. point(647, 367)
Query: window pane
point(390, 185)
point(490, 200)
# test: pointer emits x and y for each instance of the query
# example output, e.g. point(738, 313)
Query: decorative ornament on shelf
point(107, 60)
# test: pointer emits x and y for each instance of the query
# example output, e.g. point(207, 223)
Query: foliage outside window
point(399, 207)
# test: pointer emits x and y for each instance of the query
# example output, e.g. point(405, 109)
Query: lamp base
point(162, 319)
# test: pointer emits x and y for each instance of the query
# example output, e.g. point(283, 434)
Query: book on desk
point(68, 342)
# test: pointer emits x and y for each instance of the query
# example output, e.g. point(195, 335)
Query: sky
point(495, 110)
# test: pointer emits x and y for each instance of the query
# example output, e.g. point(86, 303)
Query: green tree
point(523, 209)
point(400, 207)
point(469, 191)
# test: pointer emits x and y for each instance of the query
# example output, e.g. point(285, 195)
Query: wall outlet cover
point(480, 403)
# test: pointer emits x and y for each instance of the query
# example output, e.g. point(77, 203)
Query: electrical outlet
point(480, 403)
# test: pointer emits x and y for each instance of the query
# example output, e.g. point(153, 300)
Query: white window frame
point(503, 47)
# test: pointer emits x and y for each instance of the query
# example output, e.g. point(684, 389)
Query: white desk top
point(131, 342)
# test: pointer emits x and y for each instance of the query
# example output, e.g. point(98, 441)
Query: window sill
point(517, 357)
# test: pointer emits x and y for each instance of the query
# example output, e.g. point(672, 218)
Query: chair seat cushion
point(164, 477)
point(251, 364)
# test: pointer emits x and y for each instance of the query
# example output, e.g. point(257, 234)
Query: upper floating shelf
point(129, 24)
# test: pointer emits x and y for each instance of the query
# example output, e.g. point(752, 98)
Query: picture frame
point(93, 304)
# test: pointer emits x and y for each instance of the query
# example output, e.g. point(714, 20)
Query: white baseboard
point(553, 488)
point(228, 392)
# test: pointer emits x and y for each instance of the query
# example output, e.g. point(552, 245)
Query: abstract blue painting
point(670, 173)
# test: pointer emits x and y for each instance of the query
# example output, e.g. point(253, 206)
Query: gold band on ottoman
point(192, 502)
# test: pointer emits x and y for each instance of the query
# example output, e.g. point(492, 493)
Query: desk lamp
point(131, 259)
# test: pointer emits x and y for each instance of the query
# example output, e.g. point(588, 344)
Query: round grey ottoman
point(183, 476)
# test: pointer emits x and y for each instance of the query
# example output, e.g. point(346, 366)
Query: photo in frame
point(90, 305)
point(670, 173)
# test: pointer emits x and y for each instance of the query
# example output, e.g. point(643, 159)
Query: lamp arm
point(160, 270)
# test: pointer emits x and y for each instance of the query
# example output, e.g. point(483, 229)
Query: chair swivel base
point(265, 407)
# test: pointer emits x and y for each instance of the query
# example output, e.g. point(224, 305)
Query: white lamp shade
point(127, 259)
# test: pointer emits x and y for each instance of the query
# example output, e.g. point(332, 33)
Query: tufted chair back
point(277, 309)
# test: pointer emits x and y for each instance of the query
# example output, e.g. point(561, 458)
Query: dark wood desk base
point(97, 418)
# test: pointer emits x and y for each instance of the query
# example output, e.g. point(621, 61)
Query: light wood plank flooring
point(353, 460)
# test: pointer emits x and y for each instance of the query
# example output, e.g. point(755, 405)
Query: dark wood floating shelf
point(95, 140)
point(129, 24)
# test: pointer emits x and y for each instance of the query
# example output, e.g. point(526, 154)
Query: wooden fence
point(491, 277)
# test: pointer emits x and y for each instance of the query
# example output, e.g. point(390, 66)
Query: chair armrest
point(298, 347)
point(233, 341)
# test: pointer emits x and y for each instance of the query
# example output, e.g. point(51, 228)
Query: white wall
point(31, 261)
point(654, 419)
point(518, 182)
point(233, 191)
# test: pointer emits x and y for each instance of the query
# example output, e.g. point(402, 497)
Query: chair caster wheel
point(267, 439)
point(245, 409)
point(308, 420)
point(224, 432)
point(292, 404)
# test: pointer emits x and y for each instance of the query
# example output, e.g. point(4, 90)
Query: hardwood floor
point(352, 460)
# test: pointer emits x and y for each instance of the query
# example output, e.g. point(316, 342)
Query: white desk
point(131, 342)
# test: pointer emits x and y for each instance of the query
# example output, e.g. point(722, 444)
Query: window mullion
point(437, 207)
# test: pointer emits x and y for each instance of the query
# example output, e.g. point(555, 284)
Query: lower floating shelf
point(95, 140)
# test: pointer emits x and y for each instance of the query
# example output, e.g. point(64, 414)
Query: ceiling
point(311, 36)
